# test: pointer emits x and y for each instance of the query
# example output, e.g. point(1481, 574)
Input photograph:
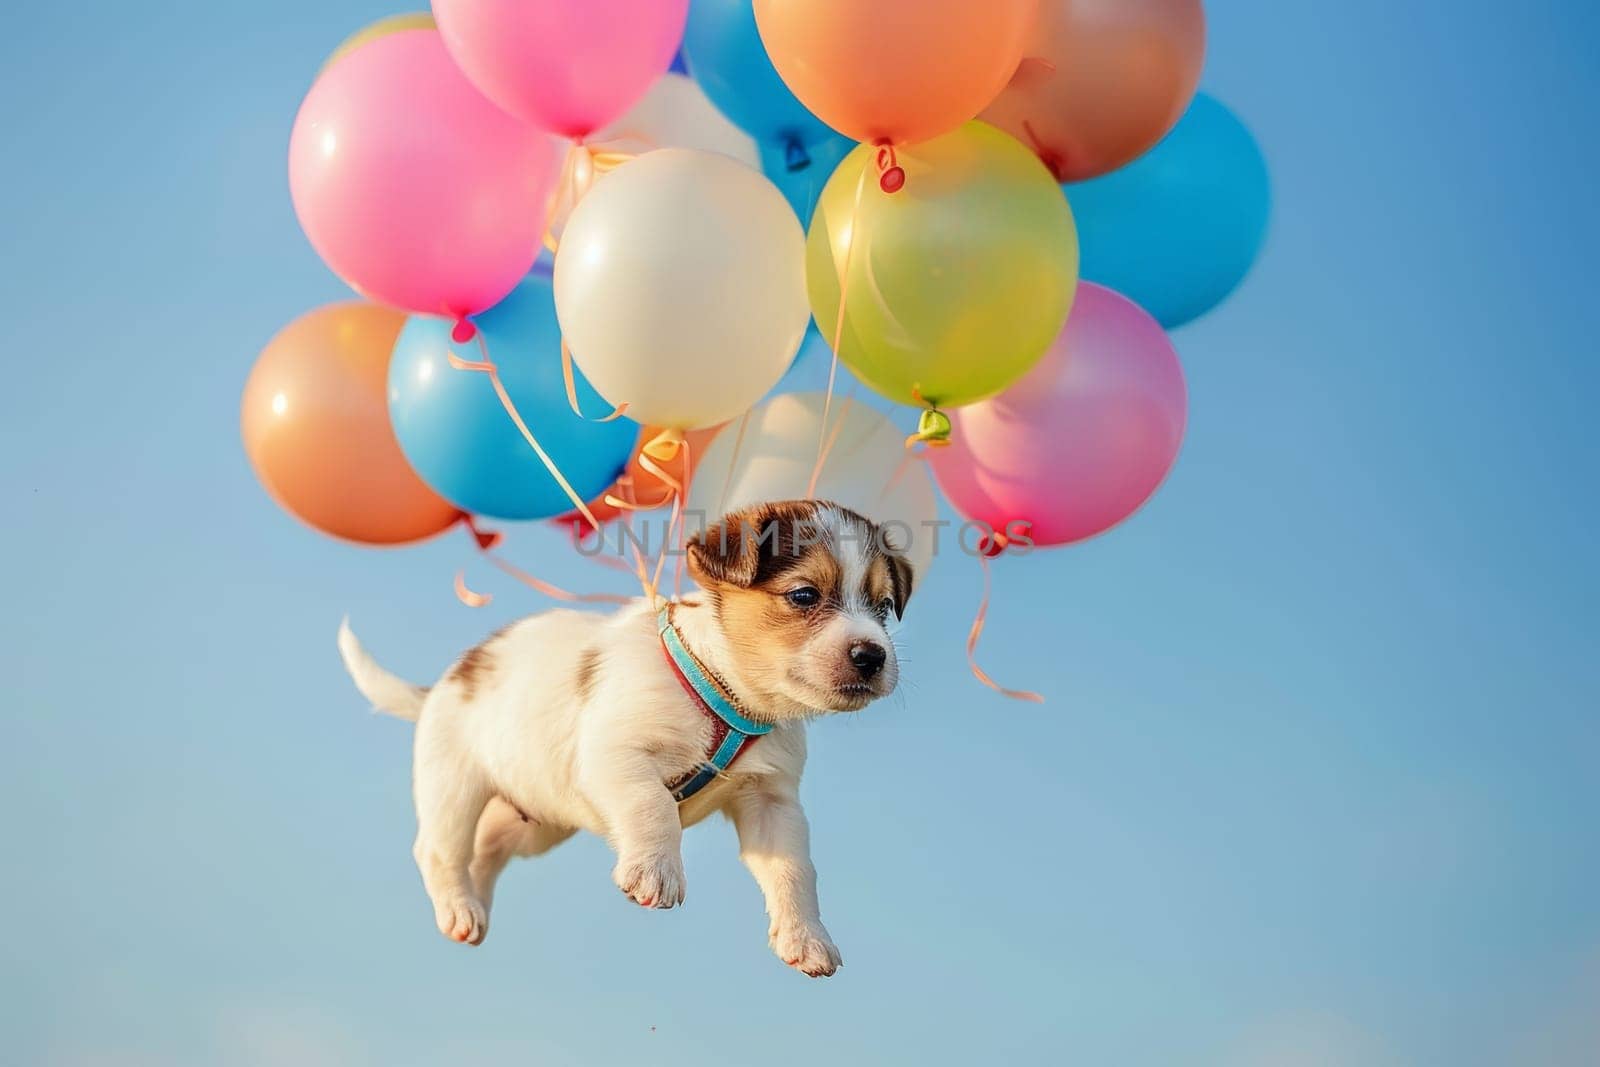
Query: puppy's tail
point(389, 694)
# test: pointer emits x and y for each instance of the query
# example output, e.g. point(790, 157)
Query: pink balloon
point(567, 66)
point(1083, 440)
point(412, 187)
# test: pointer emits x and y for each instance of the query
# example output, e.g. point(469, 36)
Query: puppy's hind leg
point(503, 832)
point(451, 792)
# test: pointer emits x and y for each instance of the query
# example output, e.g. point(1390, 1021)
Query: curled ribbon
point(995, 544)
point(572, 389)
point(578, 173)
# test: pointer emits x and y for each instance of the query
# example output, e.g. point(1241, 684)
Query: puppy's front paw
point(651, 879)
point(807, 948)
point(462, 918)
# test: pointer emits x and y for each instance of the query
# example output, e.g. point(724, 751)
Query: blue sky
point(1316, 783)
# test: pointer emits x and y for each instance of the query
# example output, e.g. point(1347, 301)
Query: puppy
point(621, 725)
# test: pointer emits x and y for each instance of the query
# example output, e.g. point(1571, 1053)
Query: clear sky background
point(1318, 779)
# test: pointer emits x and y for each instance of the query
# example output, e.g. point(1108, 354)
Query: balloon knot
point(664, 446)
point(795, 156)
point(486, 539)
point(891, 177)
point(463, 331)
point(933, 430)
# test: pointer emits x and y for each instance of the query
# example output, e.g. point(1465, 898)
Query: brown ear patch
point(755, 545)
point(901, 577)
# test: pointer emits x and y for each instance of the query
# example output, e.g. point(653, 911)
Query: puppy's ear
point(900, 581)
point(726, 552)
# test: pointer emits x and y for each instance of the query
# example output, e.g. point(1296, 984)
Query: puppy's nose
point(867, 657)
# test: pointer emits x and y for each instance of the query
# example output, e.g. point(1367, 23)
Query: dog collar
point(731, 732)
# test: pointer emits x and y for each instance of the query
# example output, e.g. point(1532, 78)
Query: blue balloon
point(1177, 230)
point(725, 55)
point(463, 443)
point(803, 185)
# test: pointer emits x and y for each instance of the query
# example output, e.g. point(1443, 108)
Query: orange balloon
point(1102, 81)
point(895, 71)
point(315, 422)
point(645, 487)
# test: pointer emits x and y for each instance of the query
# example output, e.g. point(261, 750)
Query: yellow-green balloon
point(414, 20)
point(959, 280)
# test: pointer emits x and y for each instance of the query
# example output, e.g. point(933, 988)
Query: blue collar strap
point(732, 732)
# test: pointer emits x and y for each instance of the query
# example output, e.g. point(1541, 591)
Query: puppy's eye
point(804, 597)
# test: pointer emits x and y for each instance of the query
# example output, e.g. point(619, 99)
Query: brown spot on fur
point(588, 674)
point(475, 664)
point(469, 669)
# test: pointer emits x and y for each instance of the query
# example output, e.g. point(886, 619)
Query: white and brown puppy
point(573, 721)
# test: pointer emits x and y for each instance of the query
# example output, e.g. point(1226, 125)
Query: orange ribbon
point(553, 591)
point(572, 389)
point(733, 462)
point(578, 173)
point(998, 541)
point(487, 541)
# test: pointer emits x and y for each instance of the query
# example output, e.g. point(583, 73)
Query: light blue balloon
point(803, 186)
point(724, 53)
point(1178, 229)
point(463, 443)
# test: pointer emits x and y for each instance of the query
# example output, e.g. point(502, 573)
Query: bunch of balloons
point(593, 236)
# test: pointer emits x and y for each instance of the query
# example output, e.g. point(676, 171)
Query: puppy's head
point(804, 591)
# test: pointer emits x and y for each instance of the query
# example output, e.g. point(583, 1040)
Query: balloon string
point(487, 540)
point(553, 591)
point(580, 535)
point(622, 504)
point(486, 366)
point(977, 631)
point(838, 328)
point(900, 469)
point(570, 381)
point(578, 172)
point(733, 463)
point(832, 438)
point(677, 567)
point(633, 545)
point(676, 489)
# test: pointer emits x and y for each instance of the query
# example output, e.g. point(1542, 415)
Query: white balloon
point(868, 469)
point(680, 287)
point(676, 114)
